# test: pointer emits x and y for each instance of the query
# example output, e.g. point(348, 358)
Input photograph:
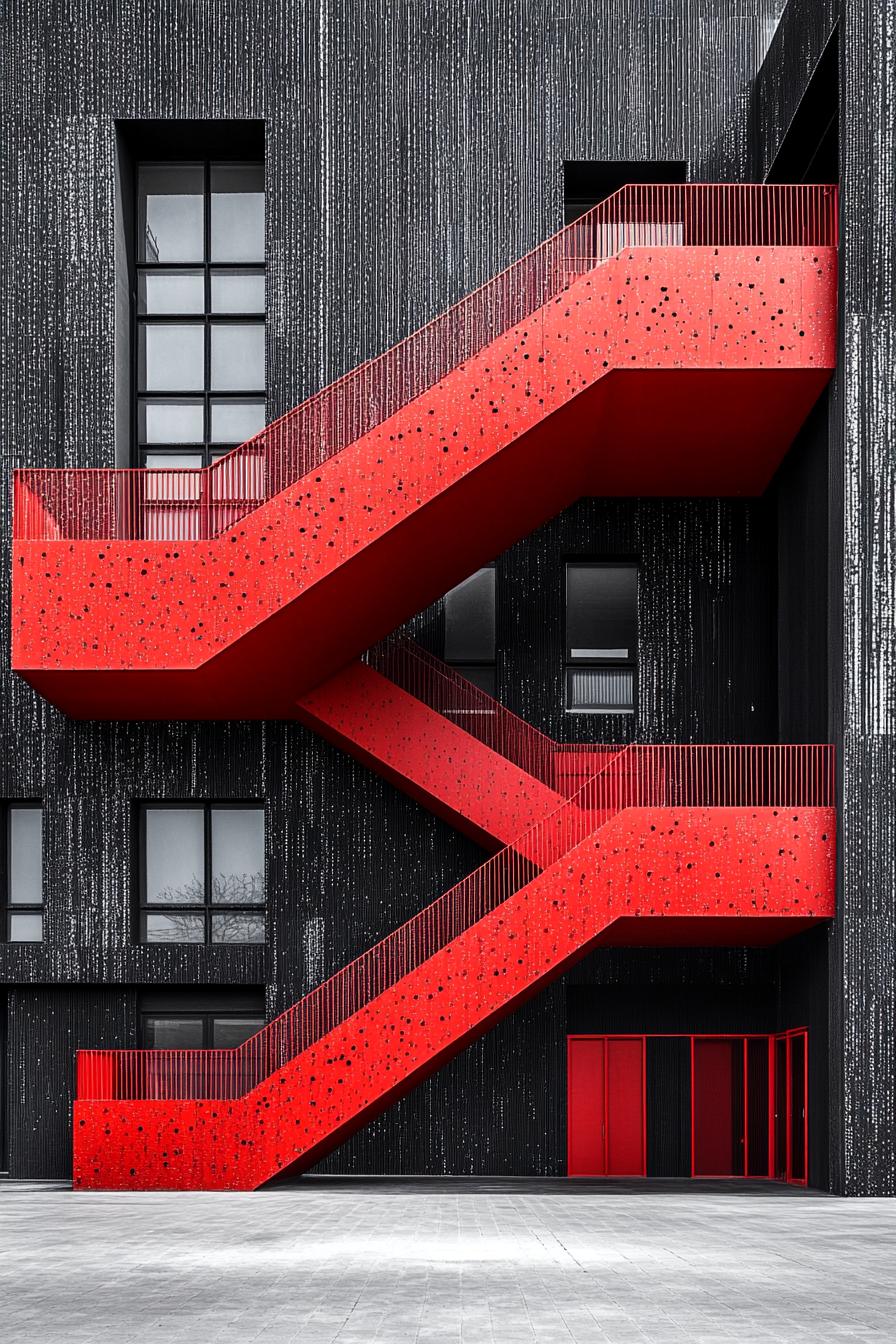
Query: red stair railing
point(184, 504)
point(639, 776)
point(443, 689)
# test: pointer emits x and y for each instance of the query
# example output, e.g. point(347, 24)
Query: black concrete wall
point(412, 149)
point(860, 578)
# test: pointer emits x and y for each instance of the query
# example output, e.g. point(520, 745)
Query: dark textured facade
point(413, 150)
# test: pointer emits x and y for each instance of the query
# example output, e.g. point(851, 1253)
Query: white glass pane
point(228, 1032)
point(172, 357)
point(173, 1033)
point(175, 856)
point(170, 292)
point(172, 478)
point(238, 856)
point(170, 422)
point(170, 214)
point(600, 690)
point(26, 928)
point(236, 421)
point(237, 475)
point(237, 226)
point(25, 856)
point(160, 461)
point(237, 291)
point(238, 927)
point(182, 524)
point(237, 356)
point(175, 928)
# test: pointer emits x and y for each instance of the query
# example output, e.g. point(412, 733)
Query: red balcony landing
point(682, 365)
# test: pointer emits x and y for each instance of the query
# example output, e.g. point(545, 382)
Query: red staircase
point(698, 845)
point(426, 729)
point(670, 342)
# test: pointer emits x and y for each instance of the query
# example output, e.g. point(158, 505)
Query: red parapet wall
point(732, 865)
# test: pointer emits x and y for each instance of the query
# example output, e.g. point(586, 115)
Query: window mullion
point(208, 873)
point(207, 409)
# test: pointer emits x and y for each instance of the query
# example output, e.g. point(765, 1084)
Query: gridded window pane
point(170, 213)
point(238, 927)
point(26, 928)
point(171, 357)
point(182, 524)
point(600, 690)
point(238, 856)
point(601, 612)
point(175, 928)
point(25, 856)
point(470, 619)
point(173, 1033)
point(175, 857)
point(237, 356)
point(237, 228)
point(172, 462)
point(236, 421)
point(237, 291)
point(176, 421)
point(171, 292)
point(228, 1032)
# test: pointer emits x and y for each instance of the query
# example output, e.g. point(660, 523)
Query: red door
point(717, 1102)
point(605, 1106)
point(791, 1119)
point(586, 1120)
point(626, 1147)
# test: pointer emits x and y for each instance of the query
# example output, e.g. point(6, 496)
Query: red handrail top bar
point(183, 504)
point(777, 776)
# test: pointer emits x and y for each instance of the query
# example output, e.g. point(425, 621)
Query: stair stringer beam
point(644, 863)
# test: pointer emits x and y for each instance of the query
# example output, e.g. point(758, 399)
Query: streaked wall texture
point(413, 149)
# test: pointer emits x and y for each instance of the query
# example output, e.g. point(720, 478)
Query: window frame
point(207, 908)
point(9, 908)
point(631, 663)
point(208, 1017)
point(207, 450)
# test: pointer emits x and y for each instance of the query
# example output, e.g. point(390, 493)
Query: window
point(470, 628)
point(200, 336)
point(601, 637)
point(588, 182)
point(21, 860)
point(198, 1030)
point(202, 873)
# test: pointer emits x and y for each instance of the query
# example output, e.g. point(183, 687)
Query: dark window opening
point(21, 873)
point(810, 151)
point(197, 1030)
point(588, 182)
point(202, 873)
point(601, 640)
point(470, 628)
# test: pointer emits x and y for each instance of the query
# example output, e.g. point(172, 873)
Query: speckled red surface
point(770, 866)
point(716, 356)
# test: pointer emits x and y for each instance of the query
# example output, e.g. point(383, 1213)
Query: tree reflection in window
point(202, 873)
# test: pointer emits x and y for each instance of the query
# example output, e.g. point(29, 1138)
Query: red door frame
point(786, 1037)
point(605, 1071)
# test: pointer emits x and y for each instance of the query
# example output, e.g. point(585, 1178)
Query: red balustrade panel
point(660, 857)
point(176, 595)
